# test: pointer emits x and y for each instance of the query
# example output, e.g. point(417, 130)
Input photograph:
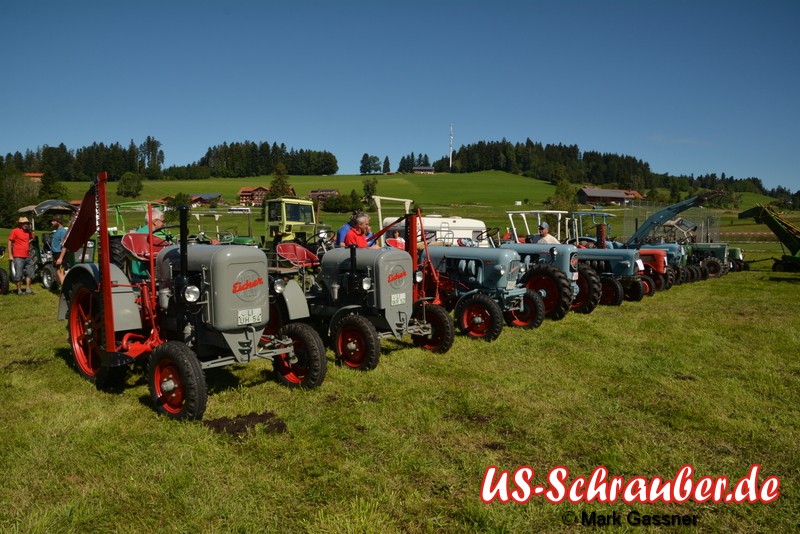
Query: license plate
point(249, 316)
point(511, 284)
point(398, 299)
point(640, 265)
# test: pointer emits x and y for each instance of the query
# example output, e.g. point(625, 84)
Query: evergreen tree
point(279, 186)
point(386, 167)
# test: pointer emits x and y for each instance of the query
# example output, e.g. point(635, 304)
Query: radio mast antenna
point(451, 147)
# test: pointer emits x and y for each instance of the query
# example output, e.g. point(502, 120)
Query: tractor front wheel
point(356, 343)
point(442, 331)
point(714, 267)
point(309, 370)
point(86, 331)
point(612, 292)
point(589, 290)
point(480, 317)
point(49, 280)
point(648, 286)
point(176, 382)
point(634, 290)
point(532, 313)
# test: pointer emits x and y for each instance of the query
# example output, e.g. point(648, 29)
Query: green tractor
point(786, 232)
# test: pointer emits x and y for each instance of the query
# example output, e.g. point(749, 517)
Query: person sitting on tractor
point(139, 269)
point(359, 233)
point(544, 235)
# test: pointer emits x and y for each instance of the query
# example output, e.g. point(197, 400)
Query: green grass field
point(703, 374)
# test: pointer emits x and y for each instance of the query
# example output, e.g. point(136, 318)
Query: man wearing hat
point(19, 243)
point(544, 235)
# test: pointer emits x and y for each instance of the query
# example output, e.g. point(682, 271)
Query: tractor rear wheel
point(479, 316)
point(648, 286)
point(176, 382)
point(532, 314)
point(554, 288)
point(49, 280)
point(634, 290)
point(442, 331)
point(308, 372)
point(660, 281)
point(669, 278)
point(3, 282)
point(356, 343)
point(612, 292)
point(86, 330)
point(589, 290)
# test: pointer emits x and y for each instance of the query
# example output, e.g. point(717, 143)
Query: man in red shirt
point(19, 243)
point(358, 233)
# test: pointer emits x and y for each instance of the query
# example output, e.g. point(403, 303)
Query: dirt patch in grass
point(241, 425)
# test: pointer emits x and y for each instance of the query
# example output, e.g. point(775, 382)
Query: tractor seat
point(137, 245)
point(297, 255)
point(396, 243)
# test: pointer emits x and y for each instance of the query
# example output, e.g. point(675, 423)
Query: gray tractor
point(202, 307)
point(480, 286)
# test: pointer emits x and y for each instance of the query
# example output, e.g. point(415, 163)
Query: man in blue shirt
point(56, 246)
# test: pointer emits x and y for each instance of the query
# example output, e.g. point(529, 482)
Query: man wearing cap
point(544, 235)
point(19, 243)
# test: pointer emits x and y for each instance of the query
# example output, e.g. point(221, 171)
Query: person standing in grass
point(19, 243)
point(57, 247)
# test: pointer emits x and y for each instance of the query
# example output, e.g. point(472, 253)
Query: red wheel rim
point(293, 373)
point(526, 316)
point(352, 346)
point(168, 386)
point(84, 327)
point(583, 293)
point(476, 320)
point(547, 289)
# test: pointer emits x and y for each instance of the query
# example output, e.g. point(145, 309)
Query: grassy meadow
point(705, 374)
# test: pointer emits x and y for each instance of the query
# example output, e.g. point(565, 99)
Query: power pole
point(451, 147)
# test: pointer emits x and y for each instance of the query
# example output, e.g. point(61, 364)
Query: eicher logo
point(248, 285)
point(396, 276)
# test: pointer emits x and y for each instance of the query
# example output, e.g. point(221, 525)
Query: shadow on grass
point(795, 280)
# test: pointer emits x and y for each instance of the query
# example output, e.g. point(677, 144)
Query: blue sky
point(692, 87)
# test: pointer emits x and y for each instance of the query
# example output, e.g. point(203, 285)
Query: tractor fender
point(344, 310)
point(295, 301)
point(463, 296)
point(126, 311)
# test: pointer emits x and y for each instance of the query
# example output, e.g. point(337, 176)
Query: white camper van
point(450, 230)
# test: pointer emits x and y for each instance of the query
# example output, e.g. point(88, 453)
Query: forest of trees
point(553, 163)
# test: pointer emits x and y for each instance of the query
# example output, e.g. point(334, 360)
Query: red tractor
point(201, 307)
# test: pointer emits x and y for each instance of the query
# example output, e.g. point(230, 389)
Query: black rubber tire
point(554, 288)
point(532, 314)
point(680, 275)
point(479, 317)
point(648, 285)
point(612, 292)
point(659, 281)
point(590, 290)
point(119, 256)
point(176, 382)
point(4, 282)
point(311, 367)
point(443, 332)
point(713, 266)
point(356, 343)
point(49, 279)
point(86, 331)
point(634, 290)
point(704, 274)
point(669, 279)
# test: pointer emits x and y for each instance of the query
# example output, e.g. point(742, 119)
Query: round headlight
point(418, 276)
point(366, 283)
point(500, 269)
point(522, 268)
point(278, 286)
point(191, 293)
point(554, 251)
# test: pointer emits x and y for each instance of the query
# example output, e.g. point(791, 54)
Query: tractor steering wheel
point(489, 233)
